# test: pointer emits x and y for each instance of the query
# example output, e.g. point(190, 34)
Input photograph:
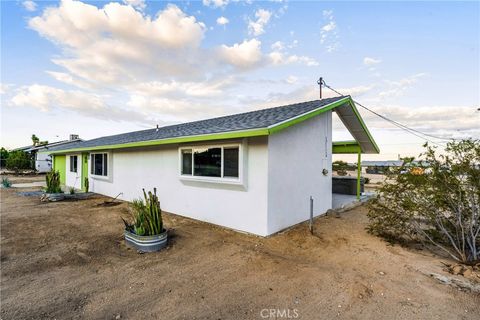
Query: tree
point(435, 201)
point(3, 157)
point(35, 140)
point(340, 167)
point(19, 160)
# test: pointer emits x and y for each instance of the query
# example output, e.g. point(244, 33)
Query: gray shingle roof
point(243, 121)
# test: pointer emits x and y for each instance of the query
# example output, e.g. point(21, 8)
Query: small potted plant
point(53, 191)
point(146, 232)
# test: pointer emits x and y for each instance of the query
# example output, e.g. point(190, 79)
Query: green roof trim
point(239, 133)
point(355, 110)
point(344, 147)
point(208, 137)
point(306, 116)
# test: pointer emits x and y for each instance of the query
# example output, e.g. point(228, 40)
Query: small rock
point(457, 269)
point(382, 273)
point(467, 273)
point(118, 316)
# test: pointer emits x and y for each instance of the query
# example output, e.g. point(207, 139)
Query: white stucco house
point(252, 172)
point(41, 155)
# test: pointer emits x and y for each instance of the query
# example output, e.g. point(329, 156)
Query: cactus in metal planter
point(53, 182)
point(147, 215)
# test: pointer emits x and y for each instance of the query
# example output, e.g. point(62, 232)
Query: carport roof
point(255, 123)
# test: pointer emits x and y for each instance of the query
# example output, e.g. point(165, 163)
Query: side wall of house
point(297, 155)
point(43, 162)
point(238, 207)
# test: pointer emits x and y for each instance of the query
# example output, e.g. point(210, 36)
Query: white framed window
point(73, 163)
point(215, 163)
point(99, 164)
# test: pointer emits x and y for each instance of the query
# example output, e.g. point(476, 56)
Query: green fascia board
point(352, 104)
point(233, 134)
point(350, 146)
point(345, 143)
point(214, 136)
point(340, 149)
point(306, 116)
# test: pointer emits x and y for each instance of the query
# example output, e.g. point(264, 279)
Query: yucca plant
point(147, 215)
point(53, 182)
point(6, 183)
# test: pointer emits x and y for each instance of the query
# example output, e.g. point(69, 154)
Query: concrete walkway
point(30, 184)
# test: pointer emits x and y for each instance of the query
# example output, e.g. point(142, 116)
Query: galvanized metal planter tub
point(146, 243)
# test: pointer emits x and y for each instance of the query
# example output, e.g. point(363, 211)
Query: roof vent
point(156, 130)
point(74, 137)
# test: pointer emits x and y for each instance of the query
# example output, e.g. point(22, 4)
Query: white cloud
point(279, 58)
point(278, 46)
point(243, 55)
point(80, 23)
point(398, 88)
point(222, 21)
point(446, 121)
point(328, 32)
point(291, 79)
point(371, 61)
point(329, 26)
point(47, 98)
point(5, 88)
point(29, 5)
point(257, 27)
point(140, 4)
point(215, 3)
point(117, 53)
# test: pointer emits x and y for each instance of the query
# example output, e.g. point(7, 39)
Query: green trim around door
point(84, 158)
point(60, 165)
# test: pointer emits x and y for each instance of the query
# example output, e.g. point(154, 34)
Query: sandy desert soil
point(67, 260)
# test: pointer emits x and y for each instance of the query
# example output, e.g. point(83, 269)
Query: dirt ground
point(68, 260)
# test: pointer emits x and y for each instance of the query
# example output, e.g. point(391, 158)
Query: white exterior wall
point(238, 207)
point(73, 179)
point(281, 172)
point(43, 162)
point(297, 155)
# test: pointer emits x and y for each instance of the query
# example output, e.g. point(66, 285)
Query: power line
point(415, 132)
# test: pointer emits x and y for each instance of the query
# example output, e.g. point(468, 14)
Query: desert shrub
point(53, 182)
point(147, 215)
point(436, 201)
point(19, 160)
point(6, 183)
point(367, 180)
point(3, 157)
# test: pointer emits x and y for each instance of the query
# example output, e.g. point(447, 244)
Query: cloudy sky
point(101, 68)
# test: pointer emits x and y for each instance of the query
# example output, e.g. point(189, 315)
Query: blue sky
point(100, 68)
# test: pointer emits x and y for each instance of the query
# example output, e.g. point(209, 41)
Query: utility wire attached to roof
point(415, 132)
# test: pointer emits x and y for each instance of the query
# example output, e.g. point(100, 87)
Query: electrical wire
point(417, 133)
